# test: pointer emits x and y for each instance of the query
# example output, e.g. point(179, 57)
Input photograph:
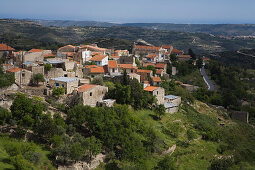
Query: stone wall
point(239, 115)
point(160, 94)
point(55, 72)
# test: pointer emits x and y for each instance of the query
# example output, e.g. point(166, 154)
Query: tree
point(160, 110)
point(167, 163)
point(76, 151)
point(98, 81)
point(192, 54)
point(47, 67)
point(58, 91)
point(200, 62)
point(5, 116)
point(93, 145)
point(38, 78)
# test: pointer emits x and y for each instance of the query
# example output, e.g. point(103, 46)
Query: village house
point(156, 81)
point(145, 74)
point(115, 57)
point(159, 73)
point(91, 95)
point(106, 103)
point(168, 48)
point(171, 107)
point(7, 66)
point(34, 67)
point(34, 55)
point(177, 52)
point(113, 67)
point(151, 58)
point(6, 52)
point(121, 52)
point(54, 72)
point(22, 76)
point(66, 51)
point(162, 66)
point(174, 99)
point(142, 50)
point(182, 58)
point(127, 60)
point(94, 70)
point(69, 84)
point(135, 76)
point(158, 92)
point(128, 67)
point(100, 60)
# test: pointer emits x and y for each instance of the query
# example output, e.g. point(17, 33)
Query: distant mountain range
point(24, 34)
point(215, 29)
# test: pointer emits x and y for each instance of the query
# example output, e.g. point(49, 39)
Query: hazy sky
point(169, 11)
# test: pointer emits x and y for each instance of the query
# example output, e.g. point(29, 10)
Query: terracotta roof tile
point(150, 48)
point(152, 56)
point(144, 71)
point(127, 66)
point(167, 46)
point(159, 71)
point(150, 88)
point(184, 56)
point(4, 47)
point(67, 46)
point(85, 87)
point(35, 50)
point(98, 58)
point(112, 64)
point(156, 79)
point(92, 66)
point(160, 65)
point(14, 69)
point(97, 70)
point(175, 51)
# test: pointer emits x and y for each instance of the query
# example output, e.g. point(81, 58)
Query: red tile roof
point(67, 46)
point(127, 66)
point(150, 88)
point(143, 47)
point(184, 56)
point(97, 70)
point(152, 56)
point(115, 57)
point(92, 47)
point(14, 69)
point(4, 47)
point(206, 59)
point(144, 71)
point(156, 79)
point(112, 64)
point(49, 55)
point(36, 50)
point(98, 58)
point(160, 65)
point(92, 66)
point(159, 71)
point(175, 51)
point(85, 87)
point(167, 46)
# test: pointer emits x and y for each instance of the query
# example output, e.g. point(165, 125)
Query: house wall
point(23, 77)
point(94, 95)
point(68, 86)
point(160, 94)
point(172, 110)
point(175, 101)
point(37, 69)
point(69, 65)
point(113, 71)
point(55, 72)
point(35, 56)
point(126, 60)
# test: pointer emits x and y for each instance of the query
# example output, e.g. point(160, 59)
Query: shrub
point(58, 91)
point(191, 134)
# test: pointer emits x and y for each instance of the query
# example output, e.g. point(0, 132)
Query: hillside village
point(74, 68)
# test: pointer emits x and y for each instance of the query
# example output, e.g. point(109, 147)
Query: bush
point(38, 78)
point(5, 116)
point(222, 163)
point(47, 67)
point(173, 129)
point(191, 134)
point(58, 91)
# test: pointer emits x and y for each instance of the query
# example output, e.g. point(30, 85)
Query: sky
point(133, 11)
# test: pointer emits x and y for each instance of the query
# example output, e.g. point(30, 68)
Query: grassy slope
point(195, 78)
point(4, 157)
point(200, 152)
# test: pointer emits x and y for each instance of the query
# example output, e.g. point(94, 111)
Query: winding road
point(209, 83)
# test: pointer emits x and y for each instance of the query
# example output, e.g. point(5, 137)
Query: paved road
point(209, 83)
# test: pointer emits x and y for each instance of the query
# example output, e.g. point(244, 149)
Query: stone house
point(22, 76)
point(135, 76)
point(94, 70)
point(142, 50)
point(158, 92)
point(69, 84)
point(106, 103)
point(100, 60)
point(113, 67)
point(156, 81)
point(174, 99)
point(6, 52)
point(36, 68)
point(91, 95)
point(182, 58)
point(35, 55)
point(121, 52)
point(127, 60)
point(7, 66)
point(159, 73)
point(177, 52)
point(66, 51)
point(55, 72)
point(145, 74)
point(128, 67)
point(169, 48)
point(151, 58)
point(171, 107)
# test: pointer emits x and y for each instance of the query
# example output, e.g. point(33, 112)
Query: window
point(157, 92)
point(90, 93)
point(23, 74)
point(113, 70)
point(63, 85)
point(131, 71)
point(57, 84)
